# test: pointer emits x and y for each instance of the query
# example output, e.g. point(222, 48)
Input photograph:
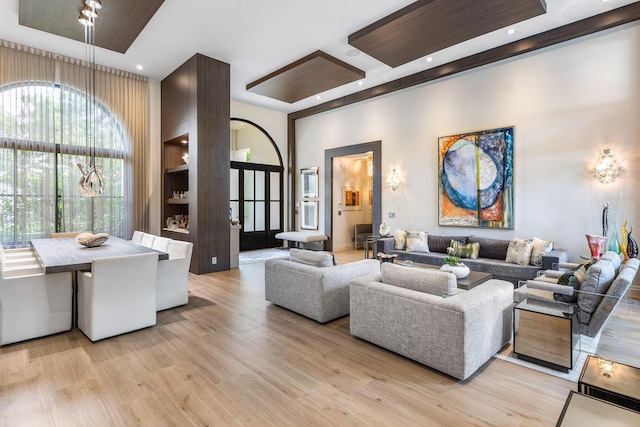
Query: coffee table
point(587, 411)
point(474, 278)
point(621, 386)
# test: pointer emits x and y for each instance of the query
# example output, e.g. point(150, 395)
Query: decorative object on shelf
point(173, 223)
point(607, 367)
point(475, 179)
point(632, 246)
point(453, 265)
point(309, 182)
point(92, 240)
point(624, 241)
point(596, 245)
point(608, 169)
point(614, 243)
point(92, 182)
point(185, 158)
point(384, 229)
point(394, 180)
point(351, 198)
point(605, 219)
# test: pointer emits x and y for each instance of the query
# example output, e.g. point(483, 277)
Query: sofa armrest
point(551, 287)
point(556, 256)
point(385, 244)
point(345, 273)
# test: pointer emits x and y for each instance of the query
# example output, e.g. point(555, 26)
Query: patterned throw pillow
point(573, 278)
point(519, 251)
point(400, 240)
point(417, 241)
point(540, 248)
point(470, 250)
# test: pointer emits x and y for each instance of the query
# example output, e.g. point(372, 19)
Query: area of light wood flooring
point(231, 358)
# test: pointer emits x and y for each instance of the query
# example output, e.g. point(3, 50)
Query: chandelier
point(608, 169)
point(91, 183)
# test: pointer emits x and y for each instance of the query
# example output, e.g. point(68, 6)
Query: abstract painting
point(351, 198)
point(475, 179)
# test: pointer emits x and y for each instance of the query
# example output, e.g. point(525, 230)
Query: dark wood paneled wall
point(196, 101)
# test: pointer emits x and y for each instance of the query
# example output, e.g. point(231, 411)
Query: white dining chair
point(147, 240)
point(34, 305)
point(118, 295)
point(137, 237)
point(173, 276)
point(160, 244)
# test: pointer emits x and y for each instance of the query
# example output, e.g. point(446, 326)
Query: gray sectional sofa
point(420, 314)
point(490, 260)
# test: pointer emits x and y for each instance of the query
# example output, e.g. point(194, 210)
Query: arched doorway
point(256, 185)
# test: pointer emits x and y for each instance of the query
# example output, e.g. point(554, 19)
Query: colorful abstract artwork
point(475, 182)
point(351, 199)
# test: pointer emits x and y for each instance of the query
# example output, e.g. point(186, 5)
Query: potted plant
point(453, 265)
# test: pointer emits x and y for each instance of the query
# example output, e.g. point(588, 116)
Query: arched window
point(42, 139)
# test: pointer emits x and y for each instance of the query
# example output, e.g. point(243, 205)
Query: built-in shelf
point(177, 230)
point(183, 201)
point(181, 168)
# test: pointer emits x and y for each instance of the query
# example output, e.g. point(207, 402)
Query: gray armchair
point(361, 232)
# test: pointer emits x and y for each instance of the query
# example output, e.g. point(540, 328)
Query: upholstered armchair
point(360, 234)
point(34, 304)
point(309, 283)
point(173, 276)
point(118, 295)
point(604, 283)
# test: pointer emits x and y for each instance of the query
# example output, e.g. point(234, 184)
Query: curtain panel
point(124, 105)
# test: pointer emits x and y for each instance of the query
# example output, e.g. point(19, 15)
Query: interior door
point(256, 200)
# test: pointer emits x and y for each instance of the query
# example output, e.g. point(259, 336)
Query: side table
point(582, 410)
point(546, 333)
point(621, 386)
point(371, 243)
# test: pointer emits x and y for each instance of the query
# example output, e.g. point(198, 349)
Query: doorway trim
point(374, 147)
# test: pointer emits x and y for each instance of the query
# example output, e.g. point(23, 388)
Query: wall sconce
point(606, 367)
point(394, 180)
point(608, 169)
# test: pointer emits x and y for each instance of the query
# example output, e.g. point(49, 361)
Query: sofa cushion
point(490, 248)
point(540, 248)
point(441, 243)
point(431, 281)
point(400, 240)
point(614, 258)
point(470, 250)
point(597, 281)
point(417, 241)
point(313, 258)
point(574, 278)
point(519, 251)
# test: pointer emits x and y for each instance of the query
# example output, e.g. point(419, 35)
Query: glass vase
point(614, 243)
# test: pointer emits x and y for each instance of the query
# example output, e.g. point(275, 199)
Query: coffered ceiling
point(259, 36)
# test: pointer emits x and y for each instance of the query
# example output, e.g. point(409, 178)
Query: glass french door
point(256, 200)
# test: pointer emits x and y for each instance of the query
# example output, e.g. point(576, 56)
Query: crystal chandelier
point(91, 183)
point(608, 169)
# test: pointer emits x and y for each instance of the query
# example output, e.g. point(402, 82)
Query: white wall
point(566, 102)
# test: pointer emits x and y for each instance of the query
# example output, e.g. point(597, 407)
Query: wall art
point(475, 179)
point(351, 198)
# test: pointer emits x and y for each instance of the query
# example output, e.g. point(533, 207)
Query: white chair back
point(137, 237)
point(160, 244)
point(147, 240)
point(118, 296)
point(173, 276)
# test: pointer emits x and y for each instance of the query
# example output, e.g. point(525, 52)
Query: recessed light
point(184, 141)
point(317, 96)
point(139, 67)
point(429, 59)
point(360, 83)
point(352, 52)
point(511, 31)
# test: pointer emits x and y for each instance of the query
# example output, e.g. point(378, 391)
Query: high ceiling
point(258, 37)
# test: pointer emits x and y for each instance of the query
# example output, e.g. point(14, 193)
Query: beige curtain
point(125, 99)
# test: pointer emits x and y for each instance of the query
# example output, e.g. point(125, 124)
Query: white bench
point(302, 237)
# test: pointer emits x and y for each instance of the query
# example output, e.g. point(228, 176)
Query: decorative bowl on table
point(91, 240)
point(459, 270)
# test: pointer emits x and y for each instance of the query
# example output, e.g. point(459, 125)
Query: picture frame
point(351, 198)
point(475, 179)
point(309, 182)
point(309, 214)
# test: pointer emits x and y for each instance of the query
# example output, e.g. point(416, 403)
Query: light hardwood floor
point(231, 358)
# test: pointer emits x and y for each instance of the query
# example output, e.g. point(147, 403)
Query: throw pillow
point(470, 250)
point(400, 240)
point(574, 278)
point(540, 248)
point(313, 258)
point(441, 243)
point(417, 241)
point(519, 251)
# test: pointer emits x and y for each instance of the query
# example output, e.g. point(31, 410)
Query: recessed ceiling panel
point(428, 26)
point(308, 76)
point(118, 24)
